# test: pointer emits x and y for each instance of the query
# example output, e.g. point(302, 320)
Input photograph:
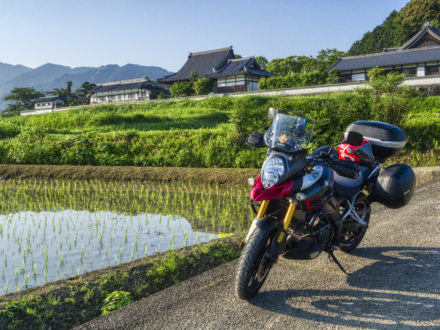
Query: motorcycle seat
point(348, 187)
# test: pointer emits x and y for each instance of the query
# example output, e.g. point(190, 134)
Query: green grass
point(205, 133)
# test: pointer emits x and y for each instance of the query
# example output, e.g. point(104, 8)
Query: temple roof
point(53, 98)
point(139, 83)
point(427, 30)
point(239, 66)
point(204, 62)
point(411, 56)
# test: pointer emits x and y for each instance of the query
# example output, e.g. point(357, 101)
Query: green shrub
point(116, 300)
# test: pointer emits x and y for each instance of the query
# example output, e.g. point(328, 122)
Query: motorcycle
point(306, 205)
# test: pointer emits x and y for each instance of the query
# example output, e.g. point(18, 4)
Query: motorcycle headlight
point(273, 170)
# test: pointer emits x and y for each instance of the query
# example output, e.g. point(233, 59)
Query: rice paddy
point(58, 229)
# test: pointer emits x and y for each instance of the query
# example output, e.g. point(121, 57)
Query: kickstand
point(331, 254)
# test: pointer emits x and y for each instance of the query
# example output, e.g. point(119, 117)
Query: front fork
point(269, 223)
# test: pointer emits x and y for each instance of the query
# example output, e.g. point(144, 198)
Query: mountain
point(398, 27)
point(49, 76)
point(8, 71)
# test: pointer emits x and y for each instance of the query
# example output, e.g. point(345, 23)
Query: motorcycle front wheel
point(254, 264)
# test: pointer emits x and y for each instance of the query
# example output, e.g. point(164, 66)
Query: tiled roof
point(410, 56)
point(53, 98)
point(239, 66)
point(427, 28)
point(204, 62)
point(144, 84)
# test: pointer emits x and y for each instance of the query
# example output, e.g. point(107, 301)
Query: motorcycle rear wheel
point(254, 264)
point(352, 237)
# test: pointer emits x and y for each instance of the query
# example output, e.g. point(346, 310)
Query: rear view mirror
point(272, 113)
point(354, 138)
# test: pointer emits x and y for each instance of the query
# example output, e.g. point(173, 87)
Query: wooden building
point(52, 102)
point(125, 90)
point(238, 75)
point(220, 65)
point(419, 56)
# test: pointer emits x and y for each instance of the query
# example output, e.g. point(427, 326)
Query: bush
point(293, 80)
point(203, 86)
point(181, 88)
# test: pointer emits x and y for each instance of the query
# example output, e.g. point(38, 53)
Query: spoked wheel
point(352, 231)
point(254, 264)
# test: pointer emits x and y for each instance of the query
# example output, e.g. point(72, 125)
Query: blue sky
point(162, 33)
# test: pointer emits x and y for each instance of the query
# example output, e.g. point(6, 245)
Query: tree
point(292, 64)
point(327, 57)
point(22, 98)
point(203, 86)
point(194, 75)
point(69, 90)
point(262, 62)
point(334, 77)
point(85, 89)
point(237, 56)
point(181, 88)
point(381, 83)
point(58, 91)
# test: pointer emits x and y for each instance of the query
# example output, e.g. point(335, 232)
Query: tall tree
point(262, 62)
point(85, 89)
point(22, 99)
point(69, 89)
point(58, 91)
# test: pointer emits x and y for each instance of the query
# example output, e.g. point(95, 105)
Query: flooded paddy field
point(58, 229)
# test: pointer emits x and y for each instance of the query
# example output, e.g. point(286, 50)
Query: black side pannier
point(394, 187)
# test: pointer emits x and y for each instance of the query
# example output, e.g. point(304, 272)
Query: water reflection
point(41, 247)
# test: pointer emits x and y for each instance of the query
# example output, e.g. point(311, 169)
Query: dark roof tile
point(240, 66)
point(203, 62)
point(146, 84)
point(410, 56)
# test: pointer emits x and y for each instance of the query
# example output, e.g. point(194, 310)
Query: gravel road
point(393, 283)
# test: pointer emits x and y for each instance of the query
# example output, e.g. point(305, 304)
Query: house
point(126, 90)
point(220, 65)
point(52, 102)
point(419, 56)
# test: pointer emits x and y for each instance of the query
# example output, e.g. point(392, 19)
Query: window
point(420, 71)
point(410, 71)
point(432, 70)
point(357, 76)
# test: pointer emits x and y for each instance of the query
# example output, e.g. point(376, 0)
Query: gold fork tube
point(262, 210)
point(289, 215)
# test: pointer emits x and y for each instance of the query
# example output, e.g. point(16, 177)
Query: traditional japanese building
point(126, 90)
point(419, 56)
point(220, 65)
point(238, 75)
point(52, 102)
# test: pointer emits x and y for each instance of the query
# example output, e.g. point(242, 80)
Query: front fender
point(279, 238)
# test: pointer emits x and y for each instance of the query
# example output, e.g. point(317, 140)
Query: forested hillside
point(398, 27)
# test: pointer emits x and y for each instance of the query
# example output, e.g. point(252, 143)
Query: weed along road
point(393, 283)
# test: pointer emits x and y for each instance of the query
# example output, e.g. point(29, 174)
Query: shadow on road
point(400, 289)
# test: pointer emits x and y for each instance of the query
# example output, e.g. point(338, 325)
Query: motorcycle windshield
point(289, 133)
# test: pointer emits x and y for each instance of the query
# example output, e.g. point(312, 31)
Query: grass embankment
point(68, 303)
point(208, 133)
point(227, 176)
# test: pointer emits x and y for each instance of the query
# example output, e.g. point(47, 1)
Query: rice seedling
point(63, 224)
